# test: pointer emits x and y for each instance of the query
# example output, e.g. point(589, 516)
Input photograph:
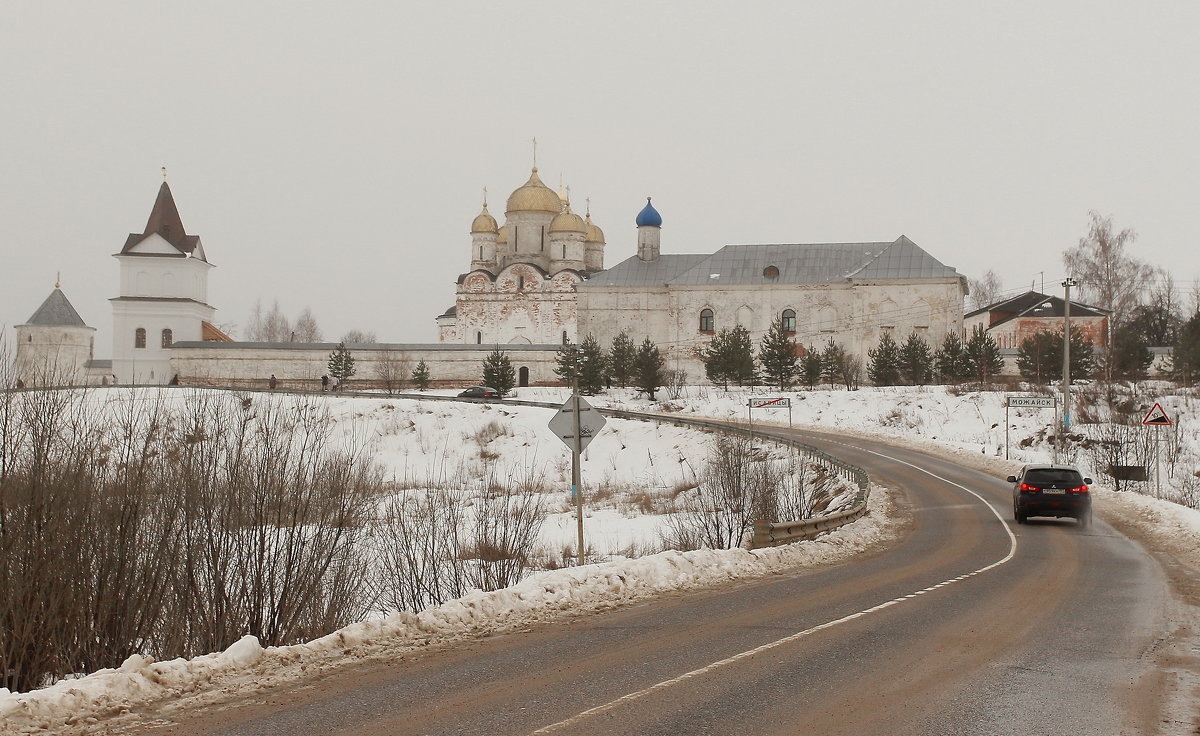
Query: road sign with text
point(767, 403)
point(1031, 402)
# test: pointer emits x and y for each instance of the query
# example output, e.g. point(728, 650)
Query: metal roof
point(633, 271)
point(800, 263)
point(57, 311)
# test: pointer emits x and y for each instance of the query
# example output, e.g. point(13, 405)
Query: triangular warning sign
point(1157, 416)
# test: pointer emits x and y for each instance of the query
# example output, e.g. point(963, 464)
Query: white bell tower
point(164, 295)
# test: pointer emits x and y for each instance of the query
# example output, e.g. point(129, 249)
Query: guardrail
point(766, 534)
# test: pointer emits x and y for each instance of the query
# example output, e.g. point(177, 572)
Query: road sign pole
point(1157, 465)
point(1006, 425)
point(576, 484)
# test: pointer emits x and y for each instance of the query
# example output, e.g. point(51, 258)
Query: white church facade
point(534, 282)
point(537, 291)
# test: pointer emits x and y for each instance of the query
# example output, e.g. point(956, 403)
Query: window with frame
point(168, 338)
point(139, 337)
point(706, 320)
point(789, 320)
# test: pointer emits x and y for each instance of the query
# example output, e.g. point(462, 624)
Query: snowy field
point(626, 467)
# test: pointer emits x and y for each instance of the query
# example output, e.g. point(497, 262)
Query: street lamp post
point(1066, 380)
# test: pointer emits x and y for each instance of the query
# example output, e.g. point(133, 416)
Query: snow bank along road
point(966, 626)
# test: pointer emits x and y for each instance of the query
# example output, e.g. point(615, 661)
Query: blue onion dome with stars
point(649, 216)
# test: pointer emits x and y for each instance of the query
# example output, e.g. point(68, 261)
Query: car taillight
point(1078, 489)
point(1027, 487)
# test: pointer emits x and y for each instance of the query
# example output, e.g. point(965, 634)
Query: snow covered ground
point(424, 441)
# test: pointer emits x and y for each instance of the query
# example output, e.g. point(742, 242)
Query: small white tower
point(593, 244)
point(483, 241)
point(649, 225)
point(567, 234)
point(54, 346)
point(164, 295)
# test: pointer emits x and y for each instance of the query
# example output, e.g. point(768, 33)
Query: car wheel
point(1017, 514)
point(1085, 520)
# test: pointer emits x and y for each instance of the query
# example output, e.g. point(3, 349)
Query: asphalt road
point(970, 624)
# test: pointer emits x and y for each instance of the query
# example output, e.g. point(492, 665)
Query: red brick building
point(1013, 320)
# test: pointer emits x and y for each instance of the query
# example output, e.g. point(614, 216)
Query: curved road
point(968, 625)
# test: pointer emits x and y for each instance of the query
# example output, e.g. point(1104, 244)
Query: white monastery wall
point(300, 366)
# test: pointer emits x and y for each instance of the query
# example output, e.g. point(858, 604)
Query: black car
point(479, 392)
point(1051, 490)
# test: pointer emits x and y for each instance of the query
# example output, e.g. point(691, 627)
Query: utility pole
point(1066, 415)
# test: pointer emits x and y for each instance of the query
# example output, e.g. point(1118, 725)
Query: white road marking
point(630, 697)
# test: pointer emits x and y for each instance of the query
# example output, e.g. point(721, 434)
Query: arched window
point(139, 338)
point(789, 320)
point(706, 320)
point(565, 340)
point(168, 337)
point(520, 283)
point(478, 338)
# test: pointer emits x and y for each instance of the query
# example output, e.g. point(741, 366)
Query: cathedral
point(534, 283)
point(541, 278)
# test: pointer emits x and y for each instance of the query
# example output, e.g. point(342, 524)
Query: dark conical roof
point(165, 222)
point(57, 311)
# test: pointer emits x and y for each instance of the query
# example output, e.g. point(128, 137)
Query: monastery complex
point(533, 282)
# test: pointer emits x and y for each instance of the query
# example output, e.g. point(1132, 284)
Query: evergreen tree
point(810, 367)
point(648, 372)
point(916, 360)
point(1129, 357)
point(1083, 356)
point(1040, 356)
point(982, 355)
point(591, 366)
point(883, 367)
point(1185, 358)
point(950, 360)
point(1038, 360)
point(566, 363)
point(498, 372)
point(777, 355)
point(833, 359)
point(420, 376)
point(341, 362)
point(729, 357)
point(620, 359)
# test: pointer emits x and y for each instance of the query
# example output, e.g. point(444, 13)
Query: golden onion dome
point(568, 222)
point(594, 233)
point(502, 236)
point(483, 222)
point(534, 196)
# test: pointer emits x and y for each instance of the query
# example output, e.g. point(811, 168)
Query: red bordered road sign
point(1157, 417)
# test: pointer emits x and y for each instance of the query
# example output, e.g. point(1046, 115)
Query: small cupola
point(649, 216)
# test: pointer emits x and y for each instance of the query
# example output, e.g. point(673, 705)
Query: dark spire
point(165, 222)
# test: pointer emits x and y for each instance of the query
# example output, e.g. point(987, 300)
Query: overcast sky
point(333, 155)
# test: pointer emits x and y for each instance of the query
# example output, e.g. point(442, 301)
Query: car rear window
point(1054, 475)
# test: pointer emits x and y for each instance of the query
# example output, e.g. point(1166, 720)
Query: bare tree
point(272, 326)
point(986, 290)
point(392, 370)
point(135, 526)
point(359, 337)
point(1109, 277)
point(306, 328)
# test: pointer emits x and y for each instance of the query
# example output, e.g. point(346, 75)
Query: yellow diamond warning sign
point(1157, 417)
